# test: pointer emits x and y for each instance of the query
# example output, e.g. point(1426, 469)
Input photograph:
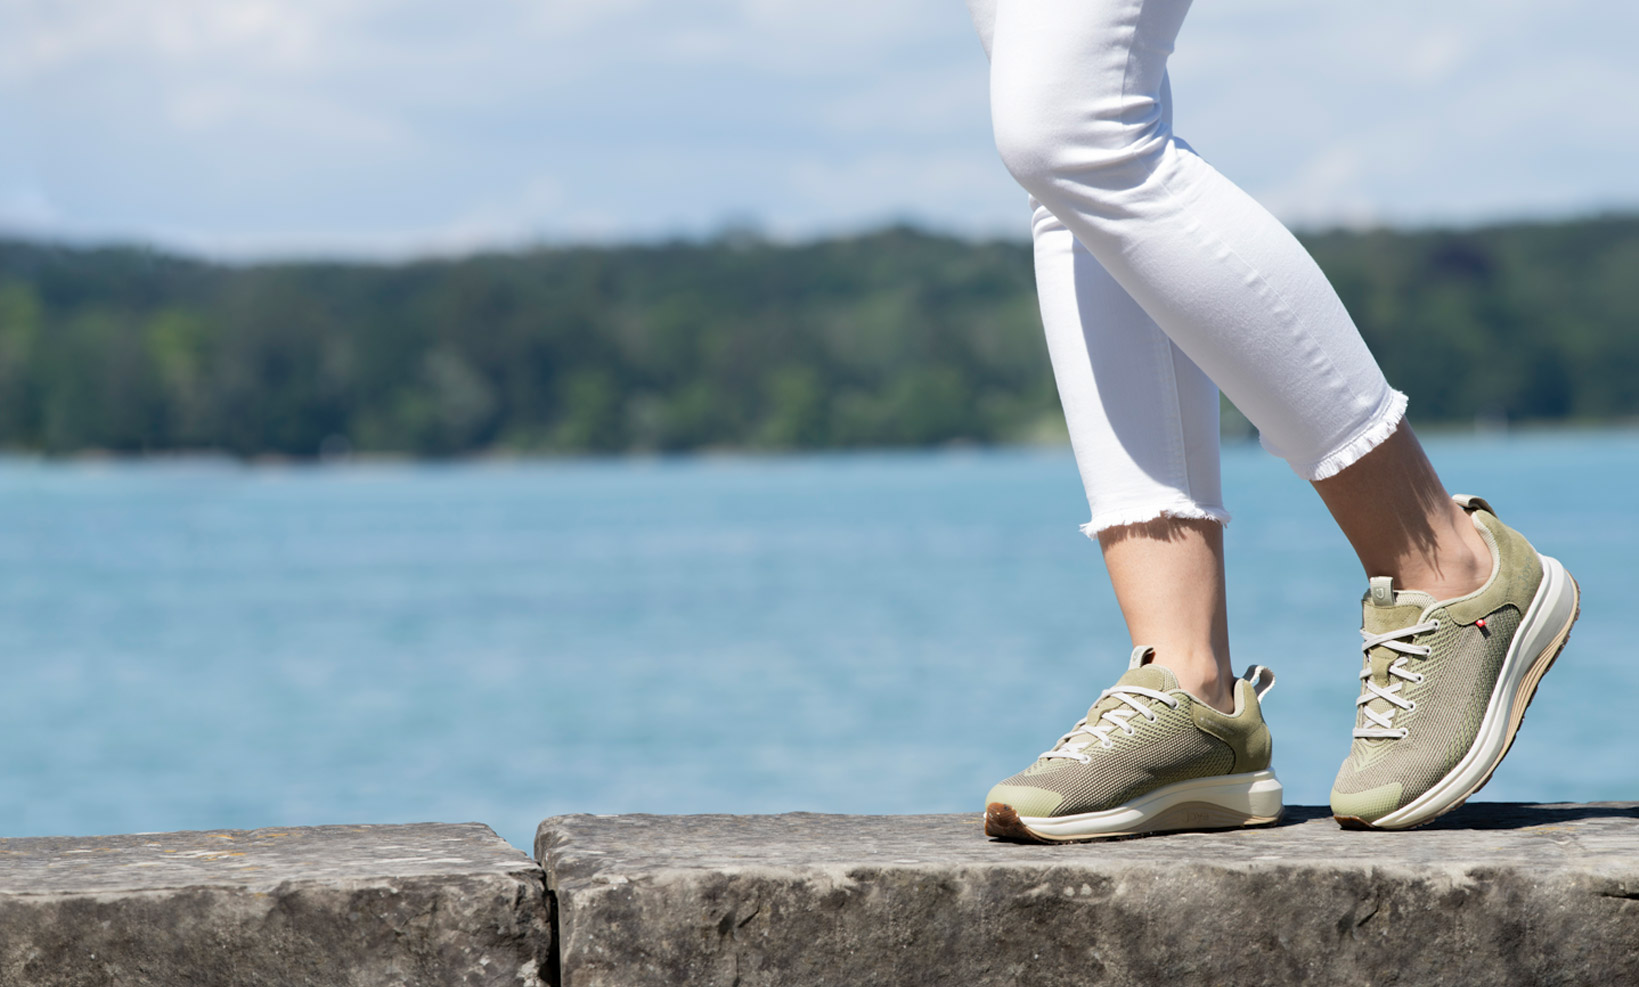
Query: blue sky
point(386, 128)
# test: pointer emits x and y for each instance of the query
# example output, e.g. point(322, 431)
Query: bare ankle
point(1209, 684)
point(1462, 566)
point(1220, 696)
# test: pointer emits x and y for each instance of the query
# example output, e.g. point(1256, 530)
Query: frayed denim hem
point(1383, 424)
point(1141, 515)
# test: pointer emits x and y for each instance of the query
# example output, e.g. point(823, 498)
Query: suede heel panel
point(1519, 574)
point(1247, 735)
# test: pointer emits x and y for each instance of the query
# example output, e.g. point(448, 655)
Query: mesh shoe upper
point(1182, 742)
point(1399, 753)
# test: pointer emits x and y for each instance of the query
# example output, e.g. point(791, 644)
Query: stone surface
point(431, 903)
point(1491, 894)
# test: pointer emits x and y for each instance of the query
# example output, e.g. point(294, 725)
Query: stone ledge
point(1491, 894)
point(434, 904)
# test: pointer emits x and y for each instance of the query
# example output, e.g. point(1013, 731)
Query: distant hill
point(899, 337)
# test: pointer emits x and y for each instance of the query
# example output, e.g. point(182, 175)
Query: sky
point(390, 128)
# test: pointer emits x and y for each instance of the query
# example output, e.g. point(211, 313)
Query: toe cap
point(1368, 805)
point(1026, 801)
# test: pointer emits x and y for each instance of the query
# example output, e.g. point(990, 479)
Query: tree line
point(895, 338)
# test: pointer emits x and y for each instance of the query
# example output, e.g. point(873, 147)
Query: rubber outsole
point(1527, 691)
point(1002, 823)
point(1184, 806)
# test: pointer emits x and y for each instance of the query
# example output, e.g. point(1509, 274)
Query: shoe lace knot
point(1074, 744)
point(1380, 724)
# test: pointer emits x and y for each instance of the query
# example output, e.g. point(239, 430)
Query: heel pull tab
point(1142, 655)
point(1262, 679)
point(1469, 502)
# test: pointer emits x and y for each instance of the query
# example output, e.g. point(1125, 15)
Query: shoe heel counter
point(1260, 750)
point(1517, 576)
point(1247, 734)
point(1519, 568)
point(1260, 744)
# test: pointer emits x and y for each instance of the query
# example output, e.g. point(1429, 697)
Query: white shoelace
point(1070, 747)
point(1397, 670)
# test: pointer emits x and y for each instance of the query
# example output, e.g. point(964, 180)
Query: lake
point(201, 644)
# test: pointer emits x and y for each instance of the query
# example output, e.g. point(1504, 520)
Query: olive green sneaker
point(1148, 757)
point(1445, 683)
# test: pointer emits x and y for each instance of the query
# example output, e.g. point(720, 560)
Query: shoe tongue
point(1157, 677)
point(1386, 609)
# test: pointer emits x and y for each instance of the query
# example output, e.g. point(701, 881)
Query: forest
point(898, 337)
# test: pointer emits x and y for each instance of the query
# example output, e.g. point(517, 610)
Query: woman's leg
point(1403, 524)
point(1143, 423)
point(1177, 742)
point(1168, 576)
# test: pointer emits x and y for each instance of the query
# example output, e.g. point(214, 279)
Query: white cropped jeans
point(1159, 280)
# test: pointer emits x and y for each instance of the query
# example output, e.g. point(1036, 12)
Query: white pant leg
point(1078, 98)
point(1143, 419)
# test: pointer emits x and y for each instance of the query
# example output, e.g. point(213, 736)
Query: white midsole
point(1550, 612)
point(1256, 794)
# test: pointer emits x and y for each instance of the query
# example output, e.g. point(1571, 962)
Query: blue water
point(200, 644)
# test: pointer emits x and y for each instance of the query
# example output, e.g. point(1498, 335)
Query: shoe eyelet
point(1413, 705)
